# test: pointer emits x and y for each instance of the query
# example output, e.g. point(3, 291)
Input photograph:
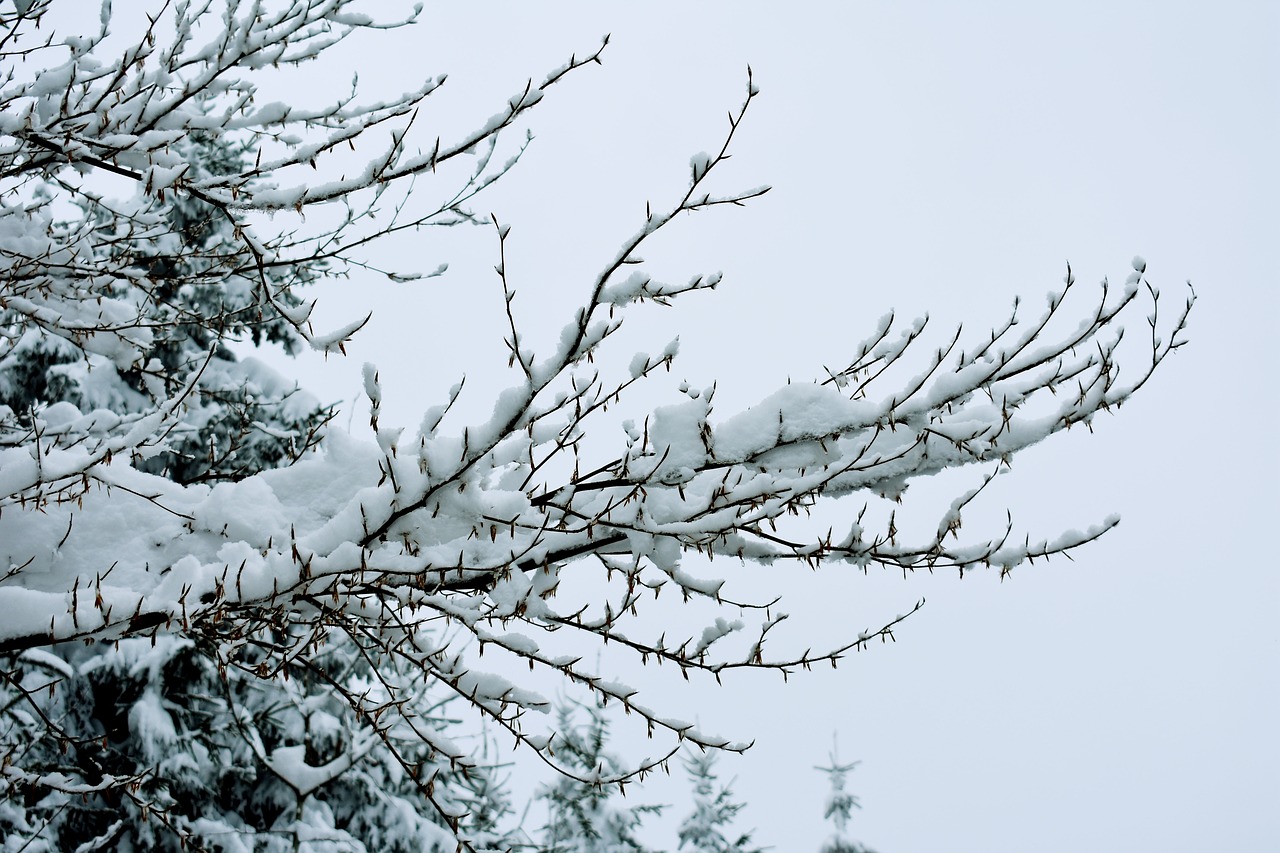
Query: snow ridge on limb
point(425, 552)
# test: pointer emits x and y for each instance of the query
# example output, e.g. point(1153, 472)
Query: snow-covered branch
point(152, 485)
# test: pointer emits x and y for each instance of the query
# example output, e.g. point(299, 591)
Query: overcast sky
point(940, 158)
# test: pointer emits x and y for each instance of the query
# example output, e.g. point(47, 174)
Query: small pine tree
point(488, 803)
point(584, 813)
point(703, 830)
point(839, 808)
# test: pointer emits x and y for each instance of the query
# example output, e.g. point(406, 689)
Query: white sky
point(939, 157)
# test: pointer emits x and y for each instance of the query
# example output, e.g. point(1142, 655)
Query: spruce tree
point(587, 813)
point(714, 810)
point(839, 808)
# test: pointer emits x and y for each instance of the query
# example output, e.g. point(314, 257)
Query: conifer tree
point(219, 757)
point(714, 810)
point(227, 761)
point(839, 807)
point(586, 811)
point(196, 299)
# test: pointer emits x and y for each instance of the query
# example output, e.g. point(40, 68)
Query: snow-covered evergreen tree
point(839, 808)
point(587, 812)
point(227, 760)
point(489, 808)
point(714, 811)
point(219, 754)
point(193, 285)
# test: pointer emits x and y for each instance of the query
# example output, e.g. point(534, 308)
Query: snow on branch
point(426, 552)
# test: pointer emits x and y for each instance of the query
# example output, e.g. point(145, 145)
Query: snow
point(60, 414)
point(247, 511)
point(290, 764)
point(160, 178)
point(48, 661)
point(700, 163)
point(639, 364)
point(792, 413)
point(153, 721)
point(722, 628)
point(519, 643)
point(334, 340)
point(627, 290)
point(675, 435)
